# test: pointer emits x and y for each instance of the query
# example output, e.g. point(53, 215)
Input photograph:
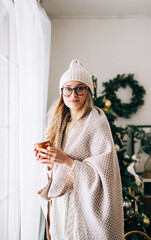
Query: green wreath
point(136, 101)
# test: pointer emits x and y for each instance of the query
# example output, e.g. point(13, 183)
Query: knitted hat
point(76, 72)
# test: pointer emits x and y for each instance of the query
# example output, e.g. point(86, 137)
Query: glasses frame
point(85, 87)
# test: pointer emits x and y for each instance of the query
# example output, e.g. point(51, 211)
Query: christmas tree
point(134, 216)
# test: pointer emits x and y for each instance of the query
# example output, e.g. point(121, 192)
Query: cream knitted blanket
point(96, 180)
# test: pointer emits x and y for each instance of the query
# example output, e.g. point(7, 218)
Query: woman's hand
point(39, 158)
point(54, 155)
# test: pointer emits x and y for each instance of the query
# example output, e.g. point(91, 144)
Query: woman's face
point(74, 101)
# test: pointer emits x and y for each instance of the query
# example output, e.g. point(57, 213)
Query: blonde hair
point(57, 113)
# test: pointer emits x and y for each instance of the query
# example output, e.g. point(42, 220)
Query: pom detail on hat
point(76, 72)
point(75, 63)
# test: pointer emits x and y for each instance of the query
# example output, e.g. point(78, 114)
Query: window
point(9, 113)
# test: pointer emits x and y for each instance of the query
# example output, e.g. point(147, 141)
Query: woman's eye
point(67, 89)
point(80, 88)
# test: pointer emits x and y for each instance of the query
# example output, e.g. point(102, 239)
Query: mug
point(42, 145)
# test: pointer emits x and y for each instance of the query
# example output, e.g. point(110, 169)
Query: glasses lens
point(66, 91)
point(80, 90)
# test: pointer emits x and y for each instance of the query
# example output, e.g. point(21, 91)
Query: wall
point(107, 47)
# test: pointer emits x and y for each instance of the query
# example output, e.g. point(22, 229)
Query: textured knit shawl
point(96, 180)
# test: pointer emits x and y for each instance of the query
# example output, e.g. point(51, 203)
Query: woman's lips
point(74, 100)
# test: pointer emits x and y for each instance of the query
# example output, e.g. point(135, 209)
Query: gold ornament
point(107, 106)
point(105, 109)
point(108, 103)
point(146, 220)
point(117, 147)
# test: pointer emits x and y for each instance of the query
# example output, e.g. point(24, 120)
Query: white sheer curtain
point(9, 157)
point(33, 40)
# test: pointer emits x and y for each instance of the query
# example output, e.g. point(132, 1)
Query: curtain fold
point(33, 41)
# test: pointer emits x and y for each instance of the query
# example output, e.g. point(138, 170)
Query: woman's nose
point(74, 94)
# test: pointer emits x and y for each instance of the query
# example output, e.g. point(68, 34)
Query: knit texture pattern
point(63, 219)
point(70, 217)
point(63, 226)
point(96, 181)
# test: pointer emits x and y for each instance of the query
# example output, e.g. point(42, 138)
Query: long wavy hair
point(57, 113)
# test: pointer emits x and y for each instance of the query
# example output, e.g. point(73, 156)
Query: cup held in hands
point(39, 145)
point(37, 150)
point(42, 145)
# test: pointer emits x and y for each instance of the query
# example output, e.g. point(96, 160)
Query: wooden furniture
point(147, 200)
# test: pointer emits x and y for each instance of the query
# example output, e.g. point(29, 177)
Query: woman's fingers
point(49, 156)
point(43, 155)
point(46, 161)
point(41, 150)
point(53, 155)
point(36, 155)
point(48, 150)
point(36, 152)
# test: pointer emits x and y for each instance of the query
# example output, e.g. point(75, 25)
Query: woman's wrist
point(69, 162)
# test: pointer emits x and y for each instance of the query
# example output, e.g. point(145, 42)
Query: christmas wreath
point(136, 101)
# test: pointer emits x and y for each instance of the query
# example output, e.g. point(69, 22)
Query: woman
point(84, 185)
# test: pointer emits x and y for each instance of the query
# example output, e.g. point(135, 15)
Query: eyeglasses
point(67, 91)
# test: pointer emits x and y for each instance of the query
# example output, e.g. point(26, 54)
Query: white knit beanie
point(76, 72)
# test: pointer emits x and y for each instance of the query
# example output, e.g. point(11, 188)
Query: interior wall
point(106, 47)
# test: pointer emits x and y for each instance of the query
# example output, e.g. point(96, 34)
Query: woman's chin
point(75, 106)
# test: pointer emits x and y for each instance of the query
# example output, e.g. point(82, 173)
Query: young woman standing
point(84, 185)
